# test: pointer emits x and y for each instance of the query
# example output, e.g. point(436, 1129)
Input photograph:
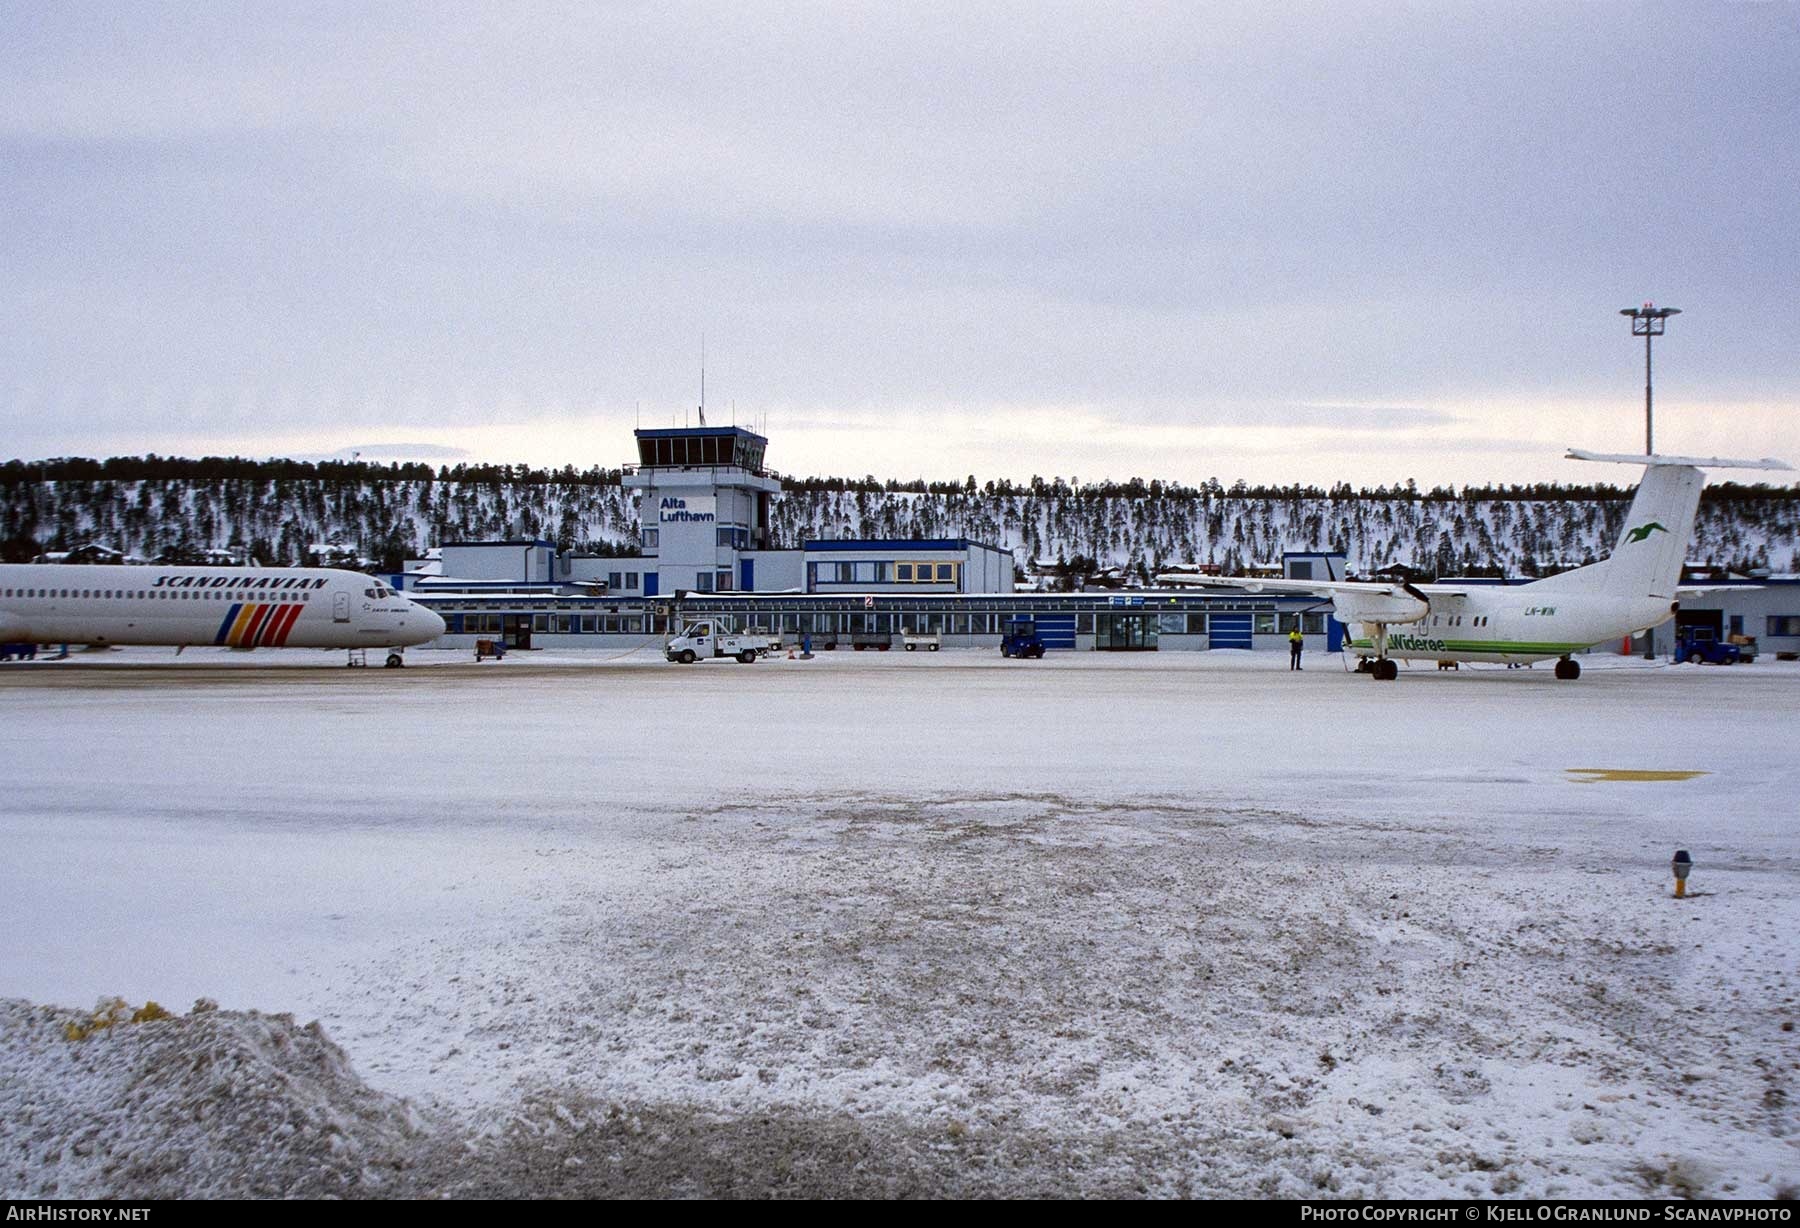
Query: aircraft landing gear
point(1568, 670)
point(395, 660)
point(1380, 667)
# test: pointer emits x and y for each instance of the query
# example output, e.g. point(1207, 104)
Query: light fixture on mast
point(1647, 322)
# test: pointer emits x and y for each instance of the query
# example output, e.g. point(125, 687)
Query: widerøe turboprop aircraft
point(1633, 589)
point(234, 607)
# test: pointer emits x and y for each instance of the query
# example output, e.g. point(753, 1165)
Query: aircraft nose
point(434, 622)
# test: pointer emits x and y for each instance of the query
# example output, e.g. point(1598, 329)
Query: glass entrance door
point(1125, 632)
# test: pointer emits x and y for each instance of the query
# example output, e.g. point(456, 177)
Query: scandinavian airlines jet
point(1630, 591)
point(236, 607)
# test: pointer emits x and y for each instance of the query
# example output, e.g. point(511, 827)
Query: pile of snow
point(213, 1104)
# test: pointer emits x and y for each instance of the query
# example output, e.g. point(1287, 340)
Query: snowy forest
point(280, 511)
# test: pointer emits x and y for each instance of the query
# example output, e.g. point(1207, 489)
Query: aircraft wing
point(1701, 590)
point(1373, 588)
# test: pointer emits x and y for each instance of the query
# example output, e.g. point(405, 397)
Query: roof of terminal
point(827, 544)
point(697, 432)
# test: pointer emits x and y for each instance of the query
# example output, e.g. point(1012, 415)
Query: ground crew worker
point(1296, 642)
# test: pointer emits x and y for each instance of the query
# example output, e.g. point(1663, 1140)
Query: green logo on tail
point(1645, 530)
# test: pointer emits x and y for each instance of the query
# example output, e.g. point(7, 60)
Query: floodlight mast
point(1647, 322)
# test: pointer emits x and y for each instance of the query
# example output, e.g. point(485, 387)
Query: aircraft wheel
point(1568, 670)
point(395, 660)
point(1386, 670)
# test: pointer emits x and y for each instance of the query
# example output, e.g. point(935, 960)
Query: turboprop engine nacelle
point(1396, 607)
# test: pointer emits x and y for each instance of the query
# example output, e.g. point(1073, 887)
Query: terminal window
point(853, 573)
point(1784, 624)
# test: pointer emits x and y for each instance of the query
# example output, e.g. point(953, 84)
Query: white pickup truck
point(704, 642)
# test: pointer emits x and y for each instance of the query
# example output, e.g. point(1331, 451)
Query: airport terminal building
point(707, 551)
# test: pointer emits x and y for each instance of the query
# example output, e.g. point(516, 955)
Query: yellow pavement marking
point(1590, 776)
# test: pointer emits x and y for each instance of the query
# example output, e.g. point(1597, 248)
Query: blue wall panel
point(1057, 631)
point(1229, 630)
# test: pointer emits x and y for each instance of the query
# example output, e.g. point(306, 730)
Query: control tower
point(704, 507)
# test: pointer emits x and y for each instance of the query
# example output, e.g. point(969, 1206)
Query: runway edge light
point(1682, 864)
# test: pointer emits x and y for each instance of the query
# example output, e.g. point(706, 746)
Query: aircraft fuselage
point(236, 607)
point(1515, 625)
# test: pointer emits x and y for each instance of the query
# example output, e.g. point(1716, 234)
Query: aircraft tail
point(1646, 561)
point(1653, 545)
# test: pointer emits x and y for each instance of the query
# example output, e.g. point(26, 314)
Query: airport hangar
point(705, 501)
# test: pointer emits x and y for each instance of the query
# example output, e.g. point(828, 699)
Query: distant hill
point(278, 509)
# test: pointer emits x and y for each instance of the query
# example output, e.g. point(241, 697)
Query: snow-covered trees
point(146, 505)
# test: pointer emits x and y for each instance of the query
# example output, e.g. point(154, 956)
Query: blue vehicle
point(1022, 639)
point(1702, 646)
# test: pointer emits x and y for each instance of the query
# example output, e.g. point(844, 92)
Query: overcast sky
point(1309, 242)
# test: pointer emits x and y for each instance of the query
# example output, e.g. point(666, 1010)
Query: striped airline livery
point(258, 626)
